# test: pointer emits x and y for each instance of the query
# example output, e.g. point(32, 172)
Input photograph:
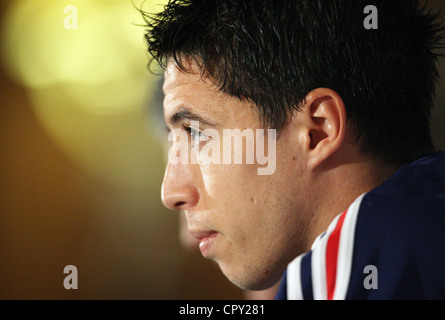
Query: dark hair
point(274, 52)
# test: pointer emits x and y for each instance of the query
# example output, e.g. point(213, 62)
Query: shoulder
point(408, 210)
point(399, 234)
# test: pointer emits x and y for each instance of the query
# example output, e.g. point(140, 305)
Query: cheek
point(228, 183)
point(235, 198)
point(242, 202)
point(238, 190)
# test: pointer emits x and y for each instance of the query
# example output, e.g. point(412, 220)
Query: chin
point(248, 279)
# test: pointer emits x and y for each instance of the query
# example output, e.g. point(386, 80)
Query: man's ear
point(324, 119)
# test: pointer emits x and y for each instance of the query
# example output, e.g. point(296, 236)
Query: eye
point(197, 136)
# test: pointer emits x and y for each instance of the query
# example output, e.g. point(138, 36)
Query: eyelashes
point(198, 137)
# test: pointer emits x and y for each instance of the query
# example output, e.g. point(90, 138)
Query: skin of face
point(258, 223)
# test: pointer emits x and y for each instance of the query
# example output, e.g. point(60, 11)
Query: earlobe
point(326, 125)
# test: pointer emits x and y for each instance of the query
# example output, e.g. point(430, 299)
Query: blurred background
point(81, 159)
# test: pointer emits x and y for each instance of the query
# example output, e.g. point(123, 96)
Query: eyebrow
point(185, 114)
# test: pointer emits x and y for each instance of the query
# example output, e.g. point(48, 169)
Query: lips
point(206, 240)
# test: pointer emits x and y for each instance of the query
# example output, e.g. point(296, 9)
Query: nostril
point(179, 204)
point(177, 197)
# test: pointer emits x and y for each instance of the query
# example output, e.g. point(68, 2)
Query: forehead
point(175, 77)
point(194, 90)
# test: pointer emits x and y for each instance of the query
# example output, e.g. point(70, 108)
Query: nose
point(179, 191)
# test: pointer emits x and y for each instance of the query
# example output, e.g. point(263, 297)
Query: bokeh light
point(89, 85)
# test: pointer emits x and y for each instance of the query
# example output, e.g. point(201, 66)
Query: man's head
point(349, 104)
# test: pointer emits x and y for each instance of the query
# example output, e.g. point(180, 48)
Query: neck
point(339, 184)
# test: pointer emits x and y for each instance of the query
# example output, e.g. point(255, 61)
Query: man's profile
point(358, 191)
